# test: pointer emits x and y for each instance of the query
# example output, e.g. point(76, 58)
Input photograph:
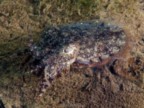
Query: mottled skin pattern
point(85, 43)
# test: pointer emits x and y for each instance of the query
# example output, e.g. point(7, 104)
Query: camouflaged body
point(84, 42)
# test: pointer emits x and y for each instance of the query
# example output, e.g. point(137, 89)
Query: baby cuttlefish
point(91, 44)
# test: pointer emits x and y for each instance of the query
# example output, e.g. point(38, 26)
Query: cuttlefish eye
point(70, 49)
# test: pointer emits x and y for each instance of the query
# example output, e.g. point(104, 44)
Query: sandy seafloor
point(21, 19)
